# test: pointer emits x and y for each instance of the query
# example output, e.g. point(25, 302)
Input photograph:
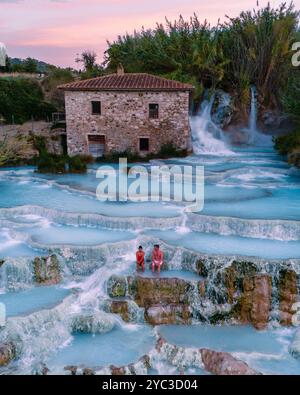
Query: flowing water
point(252, 208)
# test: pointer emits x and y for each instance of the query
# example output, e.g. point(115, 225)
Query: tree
point(30, 66)
point(91, 68)
point(88, 59)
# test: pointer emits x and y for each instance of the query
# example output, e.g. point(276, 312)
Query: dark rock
point(117, 287)
point(224, 364)
point(255, 304)
point(243, 269)
point(230, 283)
point(1, 262)
point(42, 370)
point(201, 268)
point(7, 353)
point(202, 288)
point(71, 369)
point(47, 270)
point(220, 317)
point(288, 295)
point(146, 361)
point(88, 372)
point(121, 308)
point(115, 371)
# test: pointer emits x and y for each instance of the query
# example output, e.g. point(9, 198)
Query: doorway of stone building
point(96, 145)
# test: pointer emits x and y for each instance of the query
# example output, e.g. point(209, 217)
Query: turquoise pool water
point(265, 351)
point(250, 184)
point(119, 347)
point(34, 299)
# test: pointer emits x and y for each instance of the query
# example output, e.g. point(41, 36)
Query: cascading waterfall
point(253, 115)
point(255, 137)
point(208, 137)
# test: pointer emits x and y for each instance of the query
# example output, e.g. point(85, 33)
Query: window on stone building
point(144, 144)
point(96, 107)
point(153, 111)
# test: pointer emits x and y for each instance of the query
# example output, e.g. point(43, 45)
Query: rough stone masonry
point(124, 118)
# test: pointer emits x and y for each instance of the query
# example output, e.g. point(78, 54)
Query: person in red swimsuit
point(140, 259)
point(157, 258)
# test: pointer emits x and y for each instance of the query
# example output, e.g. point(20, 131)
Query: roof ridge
point(127, 81)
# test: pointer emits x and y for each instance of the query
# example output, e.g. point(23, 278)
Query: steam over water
point(252, 210)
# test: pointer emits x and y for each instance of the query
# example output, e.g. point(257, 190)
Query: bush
point(169, 150)
point(49, 163)
point(285, 145)
point(78, 164)
point(21, 99)
point(290, 145)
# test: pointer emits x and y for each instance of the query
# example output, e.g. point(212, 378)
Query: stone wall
point(125, 119)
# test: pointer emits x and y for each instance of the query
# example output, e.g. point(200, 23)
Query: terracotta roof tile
point(136, 82)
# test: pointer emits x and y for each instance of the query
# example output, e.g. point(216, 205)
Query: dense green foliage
point(91, 68)
point(22, 99)
point(29, 65)
point(290, 144)
point(254, 48)
point(291, 98)
point(58, 164)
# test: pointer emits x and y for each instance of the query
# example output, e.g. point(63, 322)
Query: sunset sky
point(56, 30)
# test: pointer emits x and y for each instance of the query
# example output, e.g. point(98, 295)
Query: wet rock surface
point(165, 300)
point(138, 368)
point(47, 270)
point(152, 291)
point(121, 308)
point(117, 287)
point(288, 295)
point(93, 322)
point(224, 364)
point(168, 315)
point(256, 301)
point(7, 353)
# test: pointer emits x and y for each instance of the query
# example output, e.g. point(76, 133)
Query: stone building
point(119, 112)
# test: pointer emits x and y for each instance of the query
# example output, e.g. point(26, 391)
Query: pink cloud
point(55, 30)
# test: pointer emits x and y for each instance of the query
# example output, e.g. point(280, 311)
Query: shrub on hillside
point(22, 99)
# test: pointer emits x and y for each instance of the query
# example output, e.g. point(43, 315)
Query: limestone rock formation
point(165, 300)
point(154, 291)
point(117, 287)
point(256, 300)
point(168, 315)
point(288, 295)
point(7, 353)
point(121, 308)
point(47, 270)
point(92, 322)
point(224, 364)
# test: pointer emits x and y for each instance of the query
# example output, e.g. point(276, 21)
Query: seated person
point(157, 258)
point(140, 259)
